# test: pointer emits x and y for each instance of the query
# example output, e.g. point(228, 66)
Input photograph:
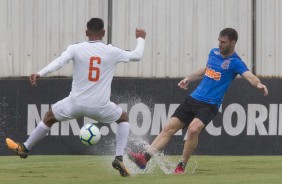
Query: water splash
point(159, 160)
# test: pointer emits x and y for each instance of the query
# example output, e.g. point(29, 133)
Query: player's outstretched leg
point(119, 165)
point(18, 148)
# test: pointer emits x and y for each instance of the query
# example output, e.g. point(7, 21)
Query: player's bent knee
point(123, 118)
point(49, 119)
point(194, 130)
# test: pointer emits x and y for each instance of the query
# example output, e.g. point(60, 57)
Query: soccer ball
point(89, 134)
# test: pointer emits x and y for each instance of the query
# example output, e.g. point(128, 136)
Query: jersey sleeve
point(240, 67)
point(126, 56)
point(211, 53)
point(58, 63)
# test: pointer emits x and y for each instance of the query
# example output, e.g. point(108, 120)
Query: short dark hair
point(95, 24)
point(230, 33)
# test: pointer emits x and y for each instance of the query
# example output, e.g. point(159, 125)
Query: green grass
point(97, 170)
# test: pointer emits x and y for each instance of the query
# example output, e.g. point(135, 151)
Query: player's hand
point(184, 83)
point(263, 88)
point(33, 79)
point(140, 33)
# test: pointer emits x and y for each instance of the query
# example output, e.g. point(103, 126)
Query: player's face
point(225, 45)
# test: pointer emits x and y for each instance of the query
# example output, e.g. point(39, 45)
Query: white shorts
point(67, 109)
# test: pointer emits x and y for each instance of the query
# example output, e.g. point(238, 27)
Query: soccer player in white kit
point(94, 65)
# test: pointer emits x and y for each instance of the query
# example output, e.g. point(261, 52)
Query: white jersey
point(94, 66)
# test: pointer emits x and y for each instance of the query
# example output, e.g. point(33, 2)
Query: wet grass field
point(97, 170)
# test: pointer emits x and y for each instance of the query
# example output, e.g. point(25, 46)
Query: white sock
point(121, 137)
point(37, 135)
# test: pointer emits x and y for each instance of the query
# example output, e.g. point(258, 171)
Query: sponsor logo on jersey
point(216, 52)
point(213, 74)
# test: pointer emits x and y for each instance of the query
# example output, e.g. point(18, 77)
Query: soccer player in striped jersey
point(94, 65)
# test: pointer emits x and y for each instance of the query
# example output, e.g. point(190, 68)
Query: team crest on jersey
point(225, 64)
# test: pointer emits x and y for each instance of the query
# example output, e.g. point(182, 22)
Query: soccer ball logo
point(89, 134)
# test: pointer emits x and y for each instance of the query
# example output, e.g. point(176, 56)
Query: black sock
point(119, 158)
point(147, 156)
point(182, 165)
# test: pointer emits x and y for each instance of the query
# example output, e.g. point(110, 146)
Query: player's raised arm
point(51, 67)
point(254, 80)
point(56, 64)
point(137, 53)
point(195, 76)
point(121, 55)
